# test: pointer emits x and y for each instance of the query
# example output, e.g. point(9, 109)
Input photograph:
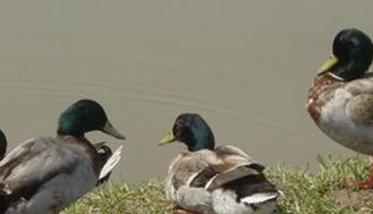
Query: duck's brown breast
point(320, 92)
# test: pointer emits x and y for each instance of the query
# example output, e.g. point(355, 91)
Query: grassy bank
point(329, 191)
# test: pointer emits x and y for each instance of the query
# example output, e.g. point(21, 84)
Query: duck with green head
point(209, 179)
point(340, 100)
point(104, 152)
point(45, 174)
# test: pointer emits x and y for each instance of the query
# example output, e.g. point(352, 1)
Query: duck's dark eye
point(343, 49)
point(177, 130)
point(182, 133)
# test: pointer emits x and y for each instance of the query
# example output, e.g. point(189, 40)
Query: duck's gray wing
point(243, 176)
point(360, 105)
point(360, 109)
point(211, 178)
point(232, 153)
point(29, 166)
point(234, 164)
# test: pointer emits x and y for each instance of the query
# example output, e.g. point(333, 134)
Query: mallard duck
point(104, 152)
point(45, 174)
point(3, 144)
point(340, 100)
point(209, 179)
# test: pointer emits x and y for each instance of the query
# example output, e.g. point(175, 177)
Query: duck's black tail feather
point(104, 153)
point(4, 201)
point(251, 185)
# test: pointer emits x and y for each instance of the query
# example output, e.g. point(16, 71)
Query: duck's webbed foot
point(368, 184)
point(180, 210)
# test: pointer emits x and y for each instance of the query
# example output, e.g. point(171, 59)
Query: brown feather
point(320, 92)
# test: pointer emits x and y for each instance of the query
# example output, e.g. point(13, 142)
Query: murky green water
point(243, 65)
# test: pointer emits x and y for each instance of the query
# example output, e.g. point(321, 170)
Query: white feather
point(191, 178)
point(224, 202)
point(6, 190)
point(111, 162)
point(258, 198)
point(207, 185)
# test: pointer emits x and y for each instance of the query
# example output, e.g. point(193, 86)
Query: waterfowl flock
point(45, 174)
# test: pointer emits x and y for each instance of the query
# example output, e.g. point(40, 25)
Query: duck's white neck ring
point(335, 76)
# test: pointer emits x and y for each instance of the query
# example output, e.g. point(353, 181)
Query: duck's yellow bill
point(329, 62)
point(167, 139)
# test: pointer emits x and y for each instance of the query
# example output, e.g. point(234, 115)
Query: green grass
point(330, 190)
point(109, 198)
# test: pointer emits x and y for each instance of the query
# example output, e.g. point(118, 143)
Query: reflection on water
point(244, 66)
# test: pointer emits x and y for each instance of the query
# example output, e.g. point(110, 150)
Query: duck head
point(85, 116)
point(352, 55)
point(191, 130)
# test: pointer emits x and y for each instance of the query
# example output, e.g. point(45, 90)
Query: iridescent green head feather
point(352, 55)
point(84, 116)
point(191, 130)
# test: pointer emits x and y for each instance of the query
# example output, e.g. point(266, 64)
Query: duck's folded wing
point(246, 182)
point(30, 165)
point(360, 109)
point(210, 170)
point(233, 164)
point(210, 178)
point(231, 175)
point(232, 152)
